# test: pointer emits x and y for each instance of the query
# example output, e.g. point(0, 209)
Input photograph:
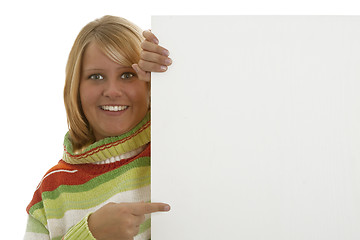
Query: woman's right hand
point(121, 221)
point(153, 57)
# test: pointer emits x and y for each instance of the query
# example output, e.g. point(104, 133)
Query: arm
point(112, 221)
point(35, 230)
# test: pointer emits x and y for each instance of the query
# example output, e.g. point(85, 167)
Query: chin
point(118, 132)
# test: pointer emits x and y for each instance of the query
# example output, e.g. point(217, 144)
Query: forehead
point(95, 58)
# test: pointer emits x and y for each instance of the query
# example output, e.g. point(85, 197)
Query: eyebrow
point(101, 69)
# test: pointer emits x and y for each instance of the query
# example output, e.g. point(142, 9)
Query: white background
point(255, 130)
point(35, 39)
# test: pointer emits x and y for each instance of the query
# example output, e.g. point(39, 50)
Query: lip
point(112, 104)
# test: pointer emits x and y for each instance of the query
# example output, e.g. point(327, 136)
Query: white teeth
point(114, 108)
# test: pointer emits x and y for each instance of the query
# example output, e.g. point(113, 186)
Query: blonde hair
point(120, 40)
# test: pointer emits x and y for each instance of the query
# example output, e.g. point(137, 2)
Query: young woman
point(101, 187)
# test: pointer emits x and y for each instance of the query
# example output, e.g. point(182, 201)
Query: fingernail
point(164, 68)
point(167, 208)
point(166, 52)
point(135, 67)
point(168, 61)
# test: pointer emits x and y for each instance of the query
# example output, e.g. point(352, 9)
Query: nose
point(112, 89)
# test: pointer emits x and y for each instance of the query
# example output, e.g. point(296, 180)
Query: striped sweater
point(115, 169)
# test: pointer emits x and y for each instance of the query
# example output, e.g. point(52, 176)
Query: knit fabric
point(115, 169)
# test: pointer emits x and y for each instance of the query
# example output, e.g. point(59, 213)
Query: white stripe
point(123, 156)
point(58, 227)
point(56, 171)
point(36, 236)
point(144, 236)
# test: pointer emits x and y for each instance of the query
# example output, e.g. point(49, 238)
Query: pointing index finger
point(146, 208)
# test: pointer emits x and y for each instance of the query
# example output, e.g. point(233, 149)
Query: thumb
point(142, 75)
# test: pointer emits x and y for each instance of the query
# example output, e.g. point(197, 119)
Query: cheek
point(87, 97)
point(142, 100)
point(140, 95)
point(83, 97)
point(146, 99)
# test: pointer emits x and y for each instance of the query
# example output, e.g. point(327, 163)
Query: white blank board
point(256, 128)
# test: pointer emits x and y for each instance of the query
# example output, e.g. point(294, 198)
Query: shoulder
point(60, 174)
point(56, 176)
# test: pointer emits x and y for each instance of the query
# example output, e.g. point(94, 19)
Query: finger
point(152, 47)
point(156, 58)
point(151, 67)
point(146, 208)
point(142, 75)
point(149, 36)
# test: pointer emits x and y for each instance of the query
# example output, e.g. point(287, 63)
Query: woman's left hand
point(153, 58)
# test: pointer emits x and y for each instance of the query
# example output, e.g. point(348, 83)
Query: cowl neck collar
point(111, 146)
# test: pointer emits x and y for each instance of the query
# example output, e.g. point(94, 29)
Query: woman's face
point(113, 99)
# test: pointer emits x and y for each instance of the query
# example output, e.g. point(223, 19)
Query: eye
point(96, 77)
point(127, 75)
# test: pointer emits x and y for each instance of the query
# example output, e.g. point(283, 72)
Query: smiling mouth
point(114, 108)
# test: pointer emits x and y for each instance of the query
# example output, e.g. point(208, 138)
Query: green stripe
point(39, 213)
point(35, 226)
point(39, 205)
point(145, 226)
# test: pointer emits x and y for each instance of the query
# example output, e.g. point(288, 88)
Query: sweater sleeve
point(35, 230)
point(80, 231)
